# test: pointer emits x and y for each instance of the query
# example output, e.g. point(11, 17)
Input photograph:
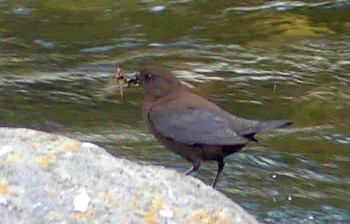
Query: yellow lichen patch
point(83, 216)
point(150, 218)
point(133, 203)
point(202, 216)
point(63, 222)
point(221, 218)
point(123, 219)
point(13, 157)
point(108, 198)
point(49, 192)
point(91, 211)
point(158, 203)
point(175, 210)
point(143, 188)
point(70, 147)
point(4, 188)
point(77, 216)
point(42, 161)
point(34, 145)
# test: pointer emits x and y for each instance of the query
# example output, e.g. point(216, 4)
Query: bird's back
point(242, 126)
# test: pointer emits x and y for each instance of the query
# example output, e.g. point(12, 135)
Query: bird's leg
point(196, 165)
point(221, 165)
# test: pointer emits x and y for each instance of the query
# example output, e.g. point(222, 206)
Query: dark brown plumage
point(192, 126)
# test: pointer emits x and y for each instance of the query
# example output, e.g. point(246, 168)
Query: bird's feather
point(193, 126)
point(251, 127)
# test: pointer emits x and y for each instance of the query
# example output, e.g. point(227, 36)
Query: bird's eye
point(149, 76)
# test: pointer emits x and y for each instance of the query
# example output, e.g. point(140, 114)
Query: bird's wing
point(193, 126)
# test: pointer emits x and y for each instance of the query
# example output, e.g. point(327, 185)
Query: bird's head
point(157, 81)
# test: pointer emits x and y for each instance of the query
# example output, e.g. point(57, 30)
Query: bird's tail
point(266, 126)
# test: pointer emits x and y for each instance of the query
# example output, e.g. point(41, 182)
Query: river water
point(257, 59)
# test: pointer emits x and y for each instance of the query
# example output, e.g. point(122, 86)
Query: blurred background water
point(257, 59)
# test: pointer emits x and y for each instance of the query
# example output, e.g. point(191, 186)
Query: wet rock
point(44, 44)
point(101, 49)
point(158, 9)
point(22, 11)
point(46, 178)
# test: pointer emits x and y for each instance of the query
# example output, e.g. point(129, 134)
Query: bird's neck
point(169, 96)
point(151, 101)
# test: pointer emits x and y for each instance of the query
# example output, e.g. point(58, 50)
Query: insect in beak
point(125, 81)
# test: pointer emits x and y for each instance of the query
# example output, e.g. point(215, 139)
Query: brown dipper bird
point(192, 126)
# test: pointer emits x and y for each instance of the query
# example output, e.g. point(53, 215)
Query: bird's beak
point(131, 79)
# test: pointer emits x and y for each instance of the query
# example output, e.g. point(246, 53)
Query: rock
point(47, 178)
point(158, 9)
point(45, 44)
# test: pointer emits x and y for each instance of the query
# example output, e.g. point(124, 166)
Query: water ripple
point(311, 175)
point(338, 138)
point(281, 6)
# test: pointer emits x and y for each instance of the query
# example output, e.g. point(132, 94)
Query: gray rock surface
point(46, 178)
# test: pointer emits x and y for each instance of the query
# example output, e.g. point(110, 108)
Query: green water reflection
point(289, 60)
